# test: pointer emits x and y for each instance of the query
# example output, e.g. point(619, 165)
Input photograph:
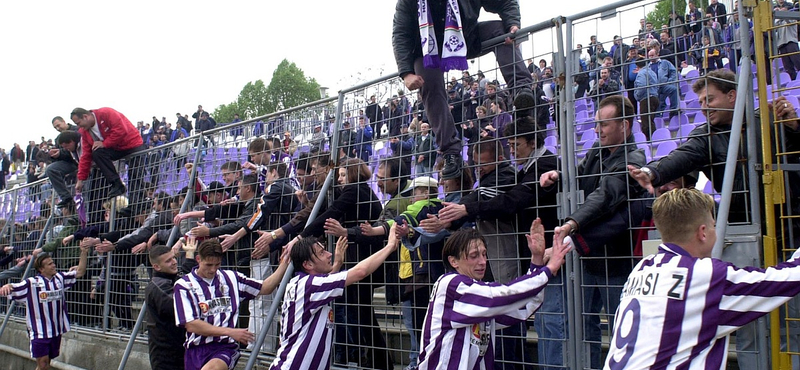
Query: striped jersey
point(215, 302)
point(47, 311)
point(307, 321)
point(677, 311)
point(463, 314)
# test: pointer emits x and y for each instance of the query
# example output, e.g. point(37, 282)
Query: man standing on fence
point(46, 312)
point(431, 40)
point(107, 135)
point(207, 304)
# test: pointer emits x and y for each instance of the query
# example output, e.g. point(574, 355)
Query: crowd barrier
point(374, 325)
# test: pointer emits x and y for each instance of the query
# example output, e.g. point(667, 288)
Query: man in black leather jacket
point(408, 54)
point(600, 226)
point(718, 94)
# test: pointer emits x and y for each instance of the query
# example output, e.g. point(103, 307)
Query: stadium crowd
point(402, 195)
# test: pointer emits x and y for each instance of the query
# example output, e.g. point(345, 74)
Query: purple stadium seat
point(686, 130)
point(658, 122)
point(699, 118)
point(660, 135)
point(552, 149)
point(794, 85)
point(588, 135)
point(784, 79)
point(665, 148)
point(586, 146)
point(690, 95)
point(639, 137)
point(551, 141)
point(676, 121)
point(581, 116)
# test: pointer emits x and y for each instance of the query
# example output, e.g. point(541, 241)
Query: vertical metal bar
point(572, 306)
point(112, 216)
point(273, 308)
point(730, 163)
point(173, 236)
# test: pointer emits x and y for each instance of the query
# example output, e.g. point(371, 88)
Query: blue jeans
point(550, 324)
point(408, 322)
point(599, 291)
point(671, 92)
point(56, 172)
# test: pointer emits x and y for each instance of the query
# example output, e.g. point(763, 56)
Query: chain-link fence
point(375, 158)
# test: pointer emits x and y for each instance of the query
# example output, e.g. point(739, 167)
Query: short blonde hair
point(678, 213)
point(120, 200)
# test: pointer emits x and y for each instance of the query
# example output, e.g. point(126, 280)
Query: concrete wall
point(78, 349)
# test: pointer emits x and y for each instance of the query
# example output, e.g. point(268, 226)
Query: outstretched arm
point(273, 281)
point(371, 263)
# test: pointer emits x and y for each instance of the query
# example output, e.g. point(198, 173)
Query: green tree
point(224, 113)
point(660, 15)
point(290, 87)
point(253, 100)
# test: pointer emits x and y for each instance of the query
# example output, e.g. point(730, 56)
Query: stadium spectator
point(646, 93)
point(184, 122)
point(493, 305)
point(196, 115)
point(106, 136)
point(599, 227)
point(60, 125)
point(403, 146)
point(707, 146)
point(786, 39)
point(717, 13)
point(418, 66)
point(17, 158)
point(363, 140)
point(732, 38)
point(619, 52)
point(711, 55)
point(667, 79)
point(5, 166)
point(606, 86)
point(375, 116)
point(735, 296)
point(628, 74)
point(347, 139)
point(318, 139)
point(500, 119)
point(46, 313)
point(210, 314)
point(424, 151)
point(65, 164)
point(306, 339)
point(164, 338)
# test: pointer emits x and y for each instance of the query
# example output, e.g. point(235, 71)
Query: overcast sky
point(157, 58)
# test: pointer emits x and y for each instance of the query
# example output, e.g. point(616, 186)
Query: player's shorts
point(196, 357)
point(49, 347)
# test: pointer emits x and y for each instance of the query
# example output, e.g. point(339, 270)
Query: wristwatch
point(273, 235)
point(648, 172)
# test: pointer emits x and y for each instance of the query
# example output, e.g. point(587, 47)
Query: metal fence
point(377, 147)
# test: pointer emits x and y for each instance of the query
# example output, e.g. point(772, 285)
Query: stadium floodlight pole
point(273, 308)
point(29, 265)
point(173, 237)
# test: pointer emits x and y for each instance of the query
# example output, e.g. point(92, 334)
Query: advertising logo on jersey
point(480, 337)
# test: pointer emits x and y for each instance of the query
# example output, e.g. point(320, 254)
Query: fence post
point(173, 236)
point(112, 217)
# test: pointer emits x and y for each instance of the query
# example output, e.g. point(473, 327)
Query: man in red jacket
point(106, 136)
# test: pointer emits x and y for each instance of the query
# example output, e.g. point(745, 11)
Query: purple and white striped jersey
point(47, 310)
point(463, 314)
point(307, 321)
point(677, 311)
point(216, 303)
